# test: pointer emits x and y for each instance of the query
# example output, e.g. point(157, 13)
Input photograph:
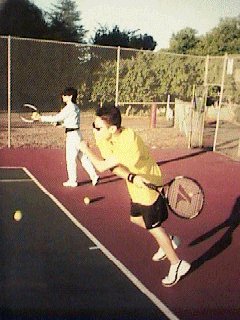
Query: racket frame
point(163, 191)
point(30, 106)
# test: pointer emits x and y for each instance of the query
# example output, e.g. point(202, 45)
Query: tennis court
point(52, 267)
point(66, 259)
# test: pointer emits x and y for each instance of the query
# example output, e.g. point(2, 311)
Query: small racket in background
point(184, 196)
point(26, 112)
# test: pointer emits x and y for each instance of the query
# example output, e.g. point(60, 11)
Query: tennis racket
point(184, 196)
point(26, 112)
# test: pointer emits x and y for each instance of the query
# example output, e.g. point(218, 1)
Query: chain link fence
point(222, 120)
point(36, 71)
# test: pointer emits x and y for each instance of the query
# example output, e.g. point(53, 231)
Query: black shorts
point(153, 215)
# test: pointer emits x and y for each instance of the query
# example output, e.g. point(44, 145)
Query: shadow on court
point(191, 155)
point(223, 243)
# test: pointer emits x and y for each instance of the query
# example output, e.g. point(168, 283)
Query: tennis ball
point(86, 200)
point(17, 215)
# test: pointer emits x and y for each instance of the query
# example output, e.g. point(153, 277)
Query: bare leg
point(138, 221)
point(87, 165)
point(161, 237)
point(165, 243)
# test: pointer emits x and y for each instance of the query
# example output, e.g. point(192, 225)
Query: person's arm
point(121, 172)
point(99, 163)
point(125, 174)
point(59, 117)
point(112, 164)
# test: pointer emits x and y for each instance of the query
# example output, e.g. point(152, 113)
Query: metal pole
point(117, 75)
point(206, 70)
point(168, 111)
point(220, 101)
point(191, 118)
point(238, 152)
point(202, 118)
point(153, 120)
point(9, 91)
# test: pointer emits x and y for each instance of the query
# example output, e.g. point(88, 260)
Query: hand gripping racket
point(184, 196)
point(26, 112)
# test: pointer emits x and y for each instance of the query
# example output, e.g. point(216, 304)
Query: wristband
point(131, 177)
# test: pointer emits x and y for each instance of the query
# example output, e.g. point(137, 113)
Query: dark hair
point(70, 91)
point(111, 115)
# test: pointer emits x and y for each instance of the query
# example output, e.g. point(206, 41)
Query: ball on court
point(86, 200)
point(17, 215)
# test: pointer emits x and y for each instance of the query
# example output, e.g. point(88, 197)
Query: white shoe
point(95, 180)
point(161, 255)
point(69, 183)
point(175, 273)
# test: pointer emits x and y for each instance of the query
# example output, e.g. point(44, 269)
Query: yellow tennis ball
point(86, 200)
point(17, 215)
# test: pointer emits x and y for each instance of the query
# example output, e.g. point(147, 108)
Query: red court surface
point(211, 242)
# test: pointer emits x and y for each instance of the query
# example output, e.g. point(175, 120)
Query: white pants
point(73, 154)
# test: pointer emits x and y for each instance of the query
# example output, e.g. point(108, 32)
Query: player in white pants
point(70, 116)
point(73, 153)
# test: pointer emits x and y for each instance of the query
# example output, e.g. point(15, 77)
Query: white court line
point(94, 248)
point(15, 180)
point(163, 308)
point(12, 167)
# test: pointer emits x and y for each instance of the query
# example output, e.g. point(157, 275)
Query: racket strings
point(185, 197)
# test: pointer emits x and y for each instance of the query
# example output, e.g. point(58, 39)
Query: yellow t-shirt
point(131, 152)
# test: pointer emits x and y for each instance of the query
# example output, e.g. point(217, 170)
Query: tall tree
point(144, 42)
point(126, 39)
point(105, 37)
point(22, 18)
point(183, 41)
point(225, 38)
point(64, 22)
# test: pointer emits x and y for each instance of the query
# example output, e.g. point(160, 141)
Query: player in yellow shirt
point(126, 155)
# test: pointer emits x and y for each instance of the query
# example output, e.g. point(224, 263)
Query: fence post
point(191, 118)
point(238, 152)
point(220, 101)
point(206, 71)
point(117, 75)
point(169, 112)
point(9, 91)
point(205, 94)
point(153, 121)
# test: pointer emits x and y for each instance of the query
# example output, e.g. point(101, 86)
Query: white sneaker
point(160, 254)
point(95, 180)
point(69, 183)
point(175, 273)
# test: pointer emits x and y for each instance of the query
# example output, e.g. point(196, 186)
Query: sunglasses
point(94, 127)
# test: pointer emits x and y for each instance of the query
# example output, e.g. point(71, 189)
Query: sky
point(157, 18)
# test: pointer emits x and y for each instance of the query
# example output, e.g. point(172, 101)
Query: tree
point(225, 38)
point(143, 42)
point(183, 41)
point(125, 39)
point(64, 22)
point(22, 18)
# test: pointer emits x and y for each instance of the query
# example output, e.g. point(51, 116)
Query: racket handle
point(36, 116)
point(151, 186)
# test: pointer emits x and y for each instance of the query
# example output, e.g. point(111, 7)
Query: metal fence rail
point(36, 71)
